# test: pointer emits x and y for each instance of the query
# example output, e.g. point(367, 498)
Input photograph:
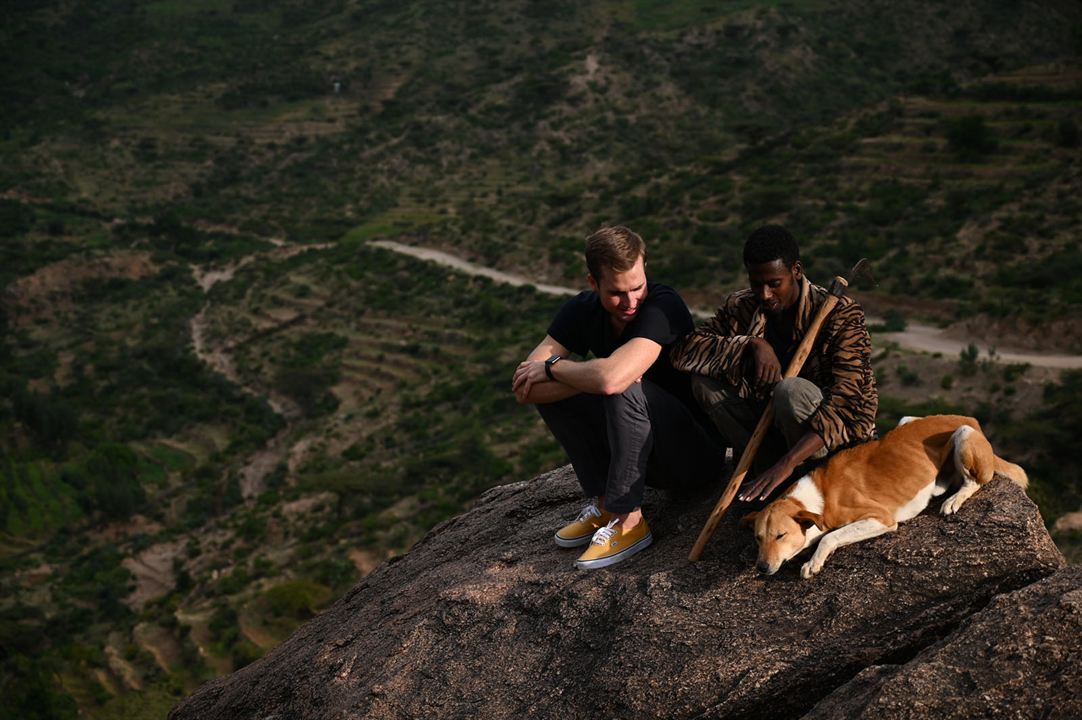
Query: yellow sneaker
point(611, 545)
point(581, 529)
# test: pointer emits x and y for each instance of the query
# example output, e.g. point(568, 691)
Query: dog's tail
point(1013, 472)
point(975, 460)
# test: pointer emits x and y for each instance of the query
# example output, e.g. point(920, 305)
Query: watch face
point(553, 360)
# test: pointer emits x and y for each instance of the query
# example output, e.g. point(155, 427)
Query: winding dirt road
point(926, 338)
point(921, 338)
point(469, 268)
point(217, 357)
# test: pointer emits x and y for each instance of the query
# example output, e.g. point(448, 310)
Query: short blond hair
point(616, 248)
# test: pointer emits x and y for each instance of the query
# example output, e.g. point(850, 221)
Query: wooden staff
point(837, 290)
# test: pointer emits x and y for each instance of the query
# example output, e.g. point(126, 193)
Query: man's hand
point(526, 374)
point(766, 369)
point(766, 483)
point(769, 481)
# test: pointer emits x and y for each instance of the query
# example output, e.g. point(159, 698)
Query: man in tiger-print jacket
point(738, 357)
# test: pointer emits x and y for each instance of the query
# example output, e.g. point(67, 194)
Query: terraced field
point(223, 405)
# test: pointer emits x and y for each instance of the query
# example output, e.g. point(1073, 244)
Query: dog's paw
point(810, 569)
point(952, 505)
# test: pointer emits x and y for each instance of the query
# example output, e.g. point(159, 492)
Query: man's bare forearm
point(809, 444)
point(763, 485)
point(599, 376)
point(547, 392)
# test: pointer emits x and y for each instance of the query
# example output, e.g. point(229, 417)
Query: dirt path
point(199, 622)
point(935, 340)
point(469, 268)
point(160, 643)
point(922, 338)
point(218, 358)
point(153, 573)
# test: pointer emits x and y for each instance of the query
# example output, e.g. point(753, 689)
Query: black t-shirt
point(583, 326)
point(779, 333)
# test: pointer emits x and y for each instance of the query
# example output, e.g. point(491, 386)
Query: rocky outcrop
point(486, 618)
point(1021, 657)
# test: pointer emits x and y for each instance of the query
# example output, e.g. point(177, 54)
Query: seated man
point(739, 356)
point(625, 417)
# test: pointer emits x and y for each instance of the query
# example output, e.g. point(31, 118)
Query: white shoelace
point(590, 511)
point(603, 535)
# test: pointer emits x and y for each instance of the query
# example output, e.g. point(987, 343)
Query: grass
point(34, 500)
point(391, 223)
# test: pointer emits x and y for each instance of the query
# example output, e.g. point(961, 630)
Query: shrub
point(49, 419)
point(108, 481)
point(1067, 134)
point(970, 137)
point(309, 388)
point(893, 321)
point(967, 360)
point(908, 377)
point(15, 218)
point(298, 599)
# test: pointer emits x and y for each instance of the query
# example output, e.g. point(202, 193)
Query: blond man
point(624, 416)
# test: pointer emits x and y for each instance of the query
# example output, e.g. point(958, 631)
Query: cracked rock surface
point(487, 618)
point(1021, 657)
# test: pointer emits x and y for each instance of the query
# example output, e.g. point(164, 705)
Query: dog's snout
point(764, 568)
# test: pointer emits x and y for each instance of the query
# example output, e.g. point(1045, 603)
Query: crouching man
point(625, 417)
point(737, 360)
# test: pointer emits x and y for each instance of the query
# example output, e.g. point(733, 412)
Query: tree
point(970, 137)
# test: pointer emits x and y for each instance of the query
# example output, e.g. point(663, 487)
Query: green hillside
point(222, 406)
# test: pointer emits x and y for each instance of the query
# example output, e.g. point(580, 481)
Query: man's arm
point(808, 445)
point(847, 412)
point(541, 390)
point(601, 376)
point(716, 348)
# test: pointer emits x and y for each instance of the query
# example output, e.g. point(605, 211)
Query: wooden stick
point(837, 289)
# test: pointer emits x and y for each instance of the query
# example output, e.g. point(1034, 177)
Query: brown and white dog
point(867, 490)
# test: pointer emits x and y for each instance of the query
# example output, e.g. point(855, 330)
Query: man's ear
point(806, 519)
point(798, 270)
point(749, 518)
point(593, 283)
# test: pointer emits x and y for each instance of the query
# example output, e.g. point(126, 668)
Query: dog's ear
point(749, 519)
point(806, 519)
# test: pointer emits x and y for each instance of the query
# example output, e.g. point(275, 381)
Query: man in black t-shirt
point(625, 417)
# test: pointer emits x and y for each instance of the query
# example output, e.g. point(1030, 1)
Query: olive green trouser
point(794, 399)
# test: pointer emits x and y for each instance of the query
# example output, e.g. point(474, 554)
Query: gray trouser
point(619, 443)
point(794, 399)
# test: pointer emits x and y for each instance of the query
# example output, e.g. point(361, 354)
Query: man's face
point(775, 286)
point(621, 293)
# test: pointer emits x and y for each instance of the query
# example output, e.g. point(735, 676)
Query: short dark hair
point(770, 243)
point(616, 248)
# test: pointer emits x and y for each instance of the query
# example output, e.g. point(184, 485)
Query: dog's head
point(781, 530)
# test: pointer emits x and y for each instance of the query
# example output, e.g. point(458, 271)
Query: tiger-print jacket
point(839, 363)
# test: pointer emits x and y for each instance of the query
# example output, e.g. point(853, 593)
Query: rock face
point(487, 618)
point(1019, 657)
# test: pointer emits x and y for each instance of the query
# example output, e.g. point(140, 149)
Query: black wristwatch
point(549, 363)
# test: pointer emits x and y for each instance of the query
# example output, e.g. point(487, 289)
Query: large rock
point(1021, 657)
point(486, 618)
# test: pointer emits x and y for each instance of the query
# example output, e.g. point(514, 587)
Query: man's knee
point(554, 410)
point(710, 392)
point(796, 398)
point(631, 401)
point(577, 411)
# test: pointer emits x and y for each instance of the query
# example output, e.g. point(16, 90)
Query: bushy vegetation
point(1046, 440)
point(147, 143)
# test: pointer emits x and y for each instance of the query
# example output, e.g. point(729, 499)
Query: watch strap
point(549, 363)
